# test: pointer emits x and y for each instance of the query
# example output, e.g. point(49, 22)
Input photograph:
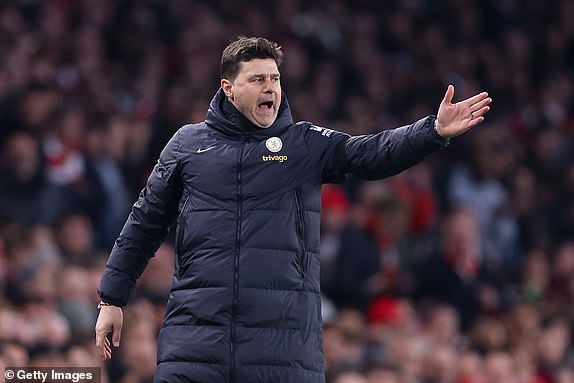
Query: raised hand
point(455, 119)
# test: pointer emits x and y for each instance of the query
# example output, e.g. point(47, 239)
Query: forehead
point(258, 66)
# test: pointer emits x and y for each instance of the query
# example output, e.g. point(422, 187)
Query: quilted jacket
point(244, 305)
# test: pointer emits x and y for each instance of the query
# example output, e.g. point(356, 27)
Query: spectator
point(349, 256)
point(26, 196)
point(457, 275)
point(125, 74)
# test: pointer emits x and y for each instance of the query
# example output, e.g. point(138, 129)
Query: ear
point(227, 87)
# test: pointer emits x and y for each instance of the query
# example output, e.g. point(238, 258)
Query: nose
point(268, 85)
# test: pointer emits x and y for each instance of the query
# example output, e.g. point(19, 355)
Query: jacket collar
point(224, 117)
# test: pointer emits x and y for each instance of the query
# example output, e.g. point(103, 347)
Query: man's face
point(256, 91)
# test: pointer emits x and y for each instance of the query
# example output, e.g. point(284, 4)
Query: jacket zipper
point(179, 237)
point(236, 262)
point(302, 256)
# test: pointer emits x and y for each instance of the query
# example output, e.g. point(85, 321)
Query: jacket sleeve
point(146, 227)
point(392, 151)
point(326, 151)
point(372, 156)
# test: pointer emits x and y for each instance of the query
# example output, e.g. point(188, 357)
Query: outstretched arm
point(389, 152)
point(455, 119)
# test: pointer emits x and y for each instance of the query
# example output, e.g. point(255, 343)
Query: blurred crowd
point(459, 270)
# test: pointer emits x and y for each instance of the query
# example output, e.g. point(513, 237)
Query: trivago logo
point(274, 158)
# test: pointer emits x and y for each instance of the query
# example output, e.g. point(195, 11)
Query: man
point(244, 187)
point(456, 275)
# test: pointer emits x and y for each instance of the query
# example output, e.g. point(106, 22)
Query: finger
point(99, 340)
point(102, 343)
point(479, 105)
point(108, 349)
point(481, 112)
point(107, 354)
point(448, 95)
point(475, 121)
point(116, 335)
point(478, 117)
point(475, 99)
point(101, 349)
point(105, 351)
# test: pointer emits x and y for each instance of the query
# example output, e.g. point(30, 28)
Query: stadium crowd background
point(460, 270)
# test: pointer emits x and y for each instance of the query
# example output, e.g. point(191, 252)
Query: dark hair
point(246, 49)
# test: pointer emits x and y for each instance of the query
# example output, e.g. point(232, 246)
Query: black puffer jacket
point(245, 305)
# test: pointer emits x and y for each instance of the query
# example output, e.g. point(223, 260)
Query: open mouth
point(266, 105)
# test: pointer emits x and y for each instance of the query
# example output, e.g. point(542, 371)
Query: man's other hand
point(109, 320)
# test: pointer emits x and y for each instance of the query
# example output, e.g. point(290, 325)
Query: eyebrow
point(263, 75)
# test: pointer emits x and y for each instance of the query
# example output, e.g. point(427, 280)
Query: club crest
point(274, 144)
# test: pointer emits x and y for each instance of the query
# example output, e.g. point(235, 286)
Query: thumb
point(449, 94)
point(116, 335)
